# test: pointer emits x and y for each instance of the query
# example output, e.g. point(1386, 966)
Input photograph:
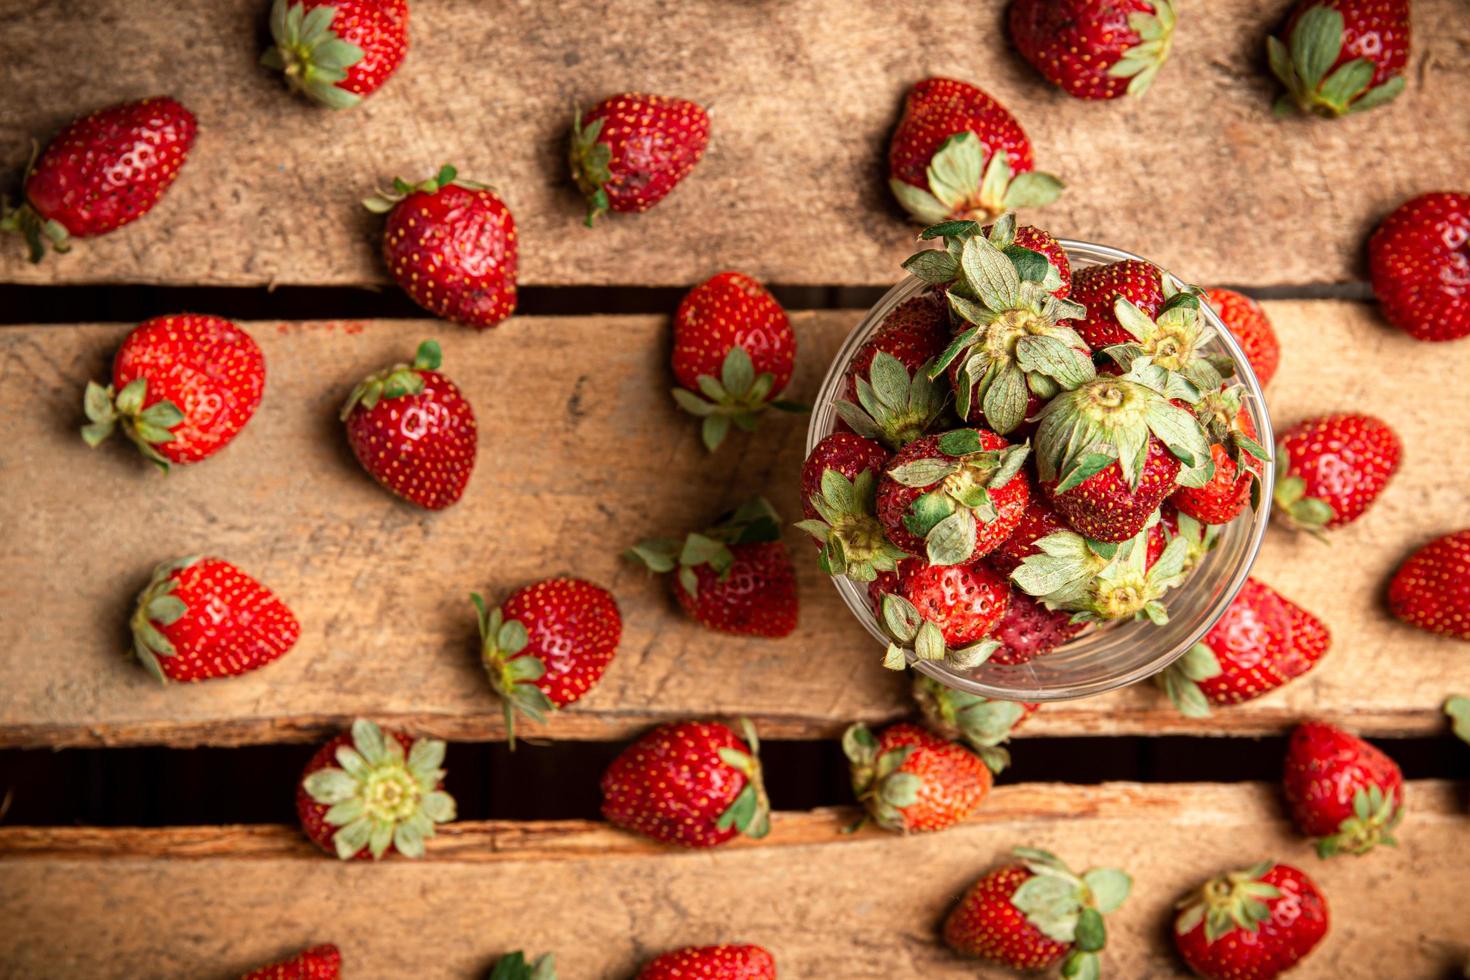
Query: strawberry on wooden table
point(337, 51)
point(982, 724)
point(735, 577)
point(733, 354)
point(942, 613)
point(370, 792)
point(1341, 56)
point(317, 963)
point(515, 966)
point(1094, 49)
point(1341, 790)
point(1419, 261)
point(1251, 328)
point(1332, 468)
point(547, 644)
point(101, 172)
point(839, 483)
point(412, 430)
point(451, 245)
point(1036, 914)
point(182, 387)
point(958, 153)
point(630, 150)
point(1252, 924)
point(1431, 589)
point(692, 784)
point(909, 780)
point(202, 618)
point(728, 961)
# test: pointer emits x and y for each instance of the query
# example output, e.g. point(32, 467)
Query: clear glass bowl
point(1104, 657)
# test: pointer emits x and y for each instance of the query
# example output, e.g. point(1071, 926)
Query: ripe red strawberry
point(957, 153)
point(1100, 582)
point(1105, 507)
point(201, 618)
point(1252, 924)
point(733, 354)
point(730, 961)
point(915, 331)
point(1091, 49)
point(515, 966)
point(888, 395)
point(1332, 468)
point(1237, 457)
point(412, 430)
point(1431, 589)
point(943, 612)
point(1419, 259)
point(1341, 56)
point(1341, 790)
point(984, 725)
point(735, 577)
point(1263, 641)
point(954, 497)
point(1020, 915)
point(1039, 520)
point(182, 388)
point(316, 963)
point(1098, 287)
point(101, 172)
point(1042, 242)
point(451, 245)
point(547, 644)
point(368, 792)
point(628, 151)
point(692, 784)
point(911, 781)
point(1029, 630)
point(337, 51)
point(1251, 328)
point(839, 483)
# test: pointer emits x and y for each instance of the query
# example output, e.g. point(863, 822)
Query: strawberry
point(911, 781)
point(983, 724)
point(1341, 790)
point(1261, 642)
point(729, 961)
point(316, 963)
point(630, 150)
point(451, 245)
point(201, 618)
point(733, 354)
point(413, 431)
point(515, 966)
point(1035, 914)
point(838, 493)
point(914, 332)
point(101, 172)
point(895, 405)
point(1091, 49)
point(1097, 287)
point(182, 387)
point(943, 612)
point(1332, 468)
point(1100, 581)
point(1419, 260)
point(384, 793)
point(337, 51)
point(957, 153)
point(1251, 328)
point(547, 644)
point(1252, 924)
point(735, 577)
point(1029, 630)
point(1431, 589)
point(1237, 457)
point(954, 497)
point(1341, 56)
point(1037, 521)
point(691, 784)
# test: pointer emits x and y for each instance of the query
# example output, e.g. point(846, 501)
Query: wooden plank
point(1198, 176)
point(572, 470)
point(105, 903)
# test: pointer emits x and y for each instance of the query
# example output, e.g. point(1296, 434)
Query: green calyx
point(911, 636)
point(1174, 341)
point(893, 408)
point(1457, 707)
point(963, 186)
point(38, 232)
point(847, 527)
point(983, 724)
point(1219, 411)
point(515, 966)
point(959, 481)
point(146, 427)
point(1099, 581)
point(1375, 816)
point(944, 266)
point(158, 606)
point(398, 381)
point(380, 798)
point(512, 674)
point(1233, 901)
point(753, 522)
point(736, 397)
point(1142, 62)
point(591, 162)
point(1069, 908)
point(383, 200)
point(1181, 679)
point(880, 787)
point(750, 813)
point(1199, 539)
point(1303, 62)
point(314, 59)
point(1303, 513)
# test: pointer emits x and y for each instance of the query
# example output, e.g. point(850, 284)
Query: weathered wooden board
point(1198, 175)
point(573, 469)
point(215, 901)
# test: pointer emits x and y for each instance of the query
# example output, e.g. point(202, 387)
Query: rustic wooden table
point(575, 422)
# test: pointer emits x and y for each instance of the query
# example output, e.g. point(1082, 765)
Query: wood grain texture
point(804, 94)
point(100, 904)
point(572, 469)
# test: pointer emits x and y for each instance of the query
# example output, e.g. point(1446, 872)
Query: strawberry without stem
point(1341, 56)
point(1419, 261)
point(1251, 328)
point(729, 961)
point(630, 150)
point(1332, 469)
point(316, 963)
point(1092, 49)
point(1341, 790)
point(1431, 589)
point(337, 51)
point(909, 780)
point(984, 725)
point(839, 483)
point(1252, 924)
